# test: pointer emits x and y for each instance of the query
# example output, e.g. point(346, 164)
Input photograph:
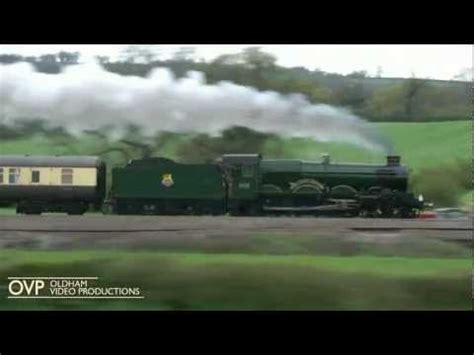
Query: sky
point(424, 61)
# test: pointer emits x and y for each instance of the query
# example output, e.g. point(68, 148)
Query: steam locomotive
point(235, 184)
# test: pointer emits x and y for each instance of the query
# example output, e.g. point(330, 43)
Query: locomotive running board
point(336, 207)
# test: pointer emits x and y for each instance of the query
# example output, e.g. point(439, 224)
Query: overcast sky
point(425, 61)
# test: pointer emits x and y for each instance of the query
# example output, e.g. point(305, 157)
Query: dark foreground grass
point(196, 281)
point(318, 244)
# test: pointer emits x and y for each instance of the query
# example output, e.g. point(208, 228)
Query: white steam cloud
point(88, 97)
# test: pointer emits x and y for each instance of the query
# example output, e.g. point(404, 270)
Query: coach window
point(1, 175)
point(13, 176)
point(35, 176)
point(66, 176)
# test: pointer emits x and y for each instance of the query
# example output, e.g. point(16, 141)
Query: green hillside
point(421, 145)
point(432, 143)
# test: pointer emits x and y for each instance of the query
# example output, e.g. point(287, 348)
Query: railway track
point(131, 232)
point(112, 224)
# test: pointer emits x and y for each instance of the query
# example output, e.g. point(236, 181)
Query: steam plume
point(88, 97)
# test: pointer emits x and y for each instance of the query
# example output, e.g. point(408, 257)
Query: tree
point(145, 149)
point(10, 58)
point(353, 93)
point(235, 139)
point(321, 94)
point(135, 139)
point(49, 58)
point(313, 90)
point(358, 74)
point(259, 62)
point(386, 102)
point(228, 59)
point(184, 54)
point(140, 54)
point(255, 58)
point(102, 59)
point(411, 89)
point(30, 126)
point(413, 97)
point(68, 57)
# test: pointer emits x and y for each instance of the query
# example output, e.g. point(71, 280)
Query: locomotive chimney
point(393, 160)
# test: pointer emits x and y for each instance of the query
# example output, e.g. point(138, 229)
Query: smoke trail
point(88, 97)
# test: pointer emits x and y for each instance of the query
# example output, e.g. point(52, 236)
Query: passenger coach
point(51, 183)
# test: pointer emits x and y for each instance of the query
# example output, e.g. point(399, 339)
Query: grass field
point(421, 145)
point(431, 144)
point(196, 281)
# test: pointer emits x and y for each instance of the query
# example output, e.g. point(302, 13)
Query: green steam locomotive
point(235, 184)
point(247, 185)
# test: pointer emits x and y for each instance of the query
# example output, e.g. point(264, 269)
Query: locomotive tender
point(237, 184)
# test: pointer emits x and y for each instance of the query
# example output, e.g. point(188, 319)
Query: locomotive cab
point(242, 175)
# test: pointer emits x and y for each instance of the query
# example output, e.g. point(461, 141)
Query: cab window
point(13, 175)
point(247, 171)
point(66, 176)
